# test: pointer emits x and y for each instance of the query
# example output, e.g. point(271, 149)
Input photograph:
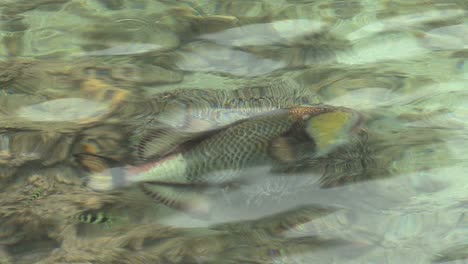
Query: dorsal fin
point(161, 142)
point(158, 143)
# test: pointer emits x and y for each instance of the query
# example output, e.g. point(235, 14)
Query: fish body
point(222, 157)
point(217, 158)
point(36, 195)
point(279, 137)
point(94, 218)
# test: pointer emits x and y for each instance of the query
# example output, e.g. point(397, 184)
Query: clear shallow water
point(85, 76)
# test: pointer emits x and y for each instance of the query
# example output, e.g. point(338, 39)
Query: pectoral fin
point(282, 149)
point(178, 197)
point(288, 151)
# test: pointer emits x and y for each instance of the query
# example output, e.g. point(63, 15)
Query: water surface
point(91, 76)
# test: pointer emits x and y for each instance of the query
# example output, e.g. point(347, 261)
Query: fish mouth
point(357, 127)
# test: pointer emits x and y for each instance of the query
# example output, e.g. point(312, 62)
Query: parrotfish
point(221, 158)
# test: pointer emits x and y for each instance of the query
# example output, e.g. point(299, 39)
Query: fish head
point(330, 127)
point(317, 131)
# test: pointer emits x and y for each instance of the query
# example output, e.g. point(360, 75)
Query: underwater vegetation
point(259, 240)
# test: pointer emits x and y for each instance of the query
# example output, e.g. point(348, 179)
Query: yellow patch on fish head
point(331, 129)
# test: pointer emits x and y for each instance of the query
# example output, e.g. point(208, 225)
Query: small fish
point(94, 218)
point(36, 194)
point(220, 158)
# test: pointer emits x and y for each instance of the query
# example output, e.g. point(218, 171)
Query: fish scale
point(235, 148)
point(219, 158)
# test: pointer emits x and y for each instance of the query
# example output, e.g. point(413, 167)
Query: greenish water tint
point(82, 82)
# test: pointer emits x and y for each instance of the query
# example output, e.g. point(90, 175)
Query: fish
point(92, 217)
point(36, 194)
point(221, 158)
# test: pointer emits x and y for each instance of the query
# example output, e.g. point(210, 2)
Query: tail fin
point(104, 173)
